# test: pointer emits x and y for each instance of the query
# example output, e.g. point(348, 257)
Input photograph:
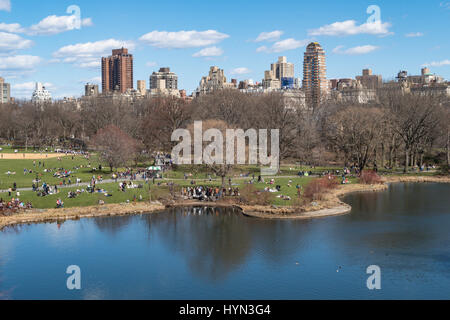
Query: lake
point(207, 253)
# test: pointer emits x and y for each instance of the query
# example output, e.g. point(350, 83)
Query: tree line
point(399, 129)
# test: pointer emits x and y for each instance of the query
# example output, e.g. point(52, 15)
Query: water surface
point(206, 253)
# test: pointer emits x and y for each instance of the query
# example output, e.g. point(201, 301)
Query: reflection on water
point(216, 241)
point(210, 253)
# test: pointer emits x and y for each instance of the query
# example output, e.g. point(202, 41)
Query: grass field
point(13, 171)
point(88, 199)
point(202, 173)
point(84, 199)
point(10, 149)
point(81, 168)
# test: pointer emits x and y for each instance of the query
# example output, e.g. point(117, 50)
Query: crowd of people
point(13, 205)
point(202, 193)
point(139, 174)
point(130, 174)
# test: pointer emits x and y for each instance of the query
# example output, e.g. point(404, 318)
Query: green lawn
point(286, 190)
point(84, 199)
point(88, 199)
point(79, 166)
point(201, 172)
point(240, 183)
point(10, 149)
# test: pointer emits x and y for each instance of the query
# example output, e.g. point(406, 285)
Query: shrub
point(316, 188)
point(445, 170)
point(249, 195)
point(370, 177)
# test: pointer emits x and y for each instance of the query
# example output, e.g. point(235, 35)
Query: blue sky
point(41, 41)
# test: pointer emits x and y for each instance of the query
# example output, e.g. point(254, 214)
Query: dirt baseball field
point(29, 156)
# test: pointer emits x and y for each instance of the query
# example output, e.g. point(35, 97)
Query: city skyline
point(54, 52)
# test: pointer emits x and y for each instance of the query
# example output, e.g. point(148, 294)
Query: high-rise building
point(91, 90)
point(141, 87)
point(5, 91)
point(117, 71)
point(280, 75)
point(164, 79)
point(41, 94)
point(315, 81)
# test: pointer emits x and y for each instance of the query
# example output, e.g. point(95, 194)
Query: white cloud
point(349, 28)
point(11, 42)
point(183, 39)
point(57, 24)
point(12, 27)
point(30, 86)
point(283, 45)
point(437, 63)
point(25, 90)
point(151, 64)
point(262, 49)
point(209, 52)
point(269, 36)
point(88, 55)
point(13, 66)
point(355, 50)
point(90, 64)
point(5, 5)
point(414, 34)
point(241, 71)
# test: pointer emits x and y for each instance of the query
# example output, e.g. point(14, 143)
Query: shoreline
point(331, 205)
point(77, 213)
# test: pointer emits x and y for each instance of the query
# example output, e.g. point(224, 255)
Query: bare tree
point(356, 132)
point(412, 117)
point(115, 147)
point(163, 117)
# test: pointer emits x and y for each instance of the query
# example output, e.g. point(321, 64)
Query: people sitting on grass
point(47, 190)
point(129, 185)
point(71, 195)
point(59, 204)
point(61, 173)
point(14, 205)
point(268, 189)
